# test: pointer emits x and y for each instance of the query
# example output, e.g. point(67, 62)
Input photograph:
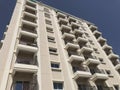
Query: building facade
point(44, 48)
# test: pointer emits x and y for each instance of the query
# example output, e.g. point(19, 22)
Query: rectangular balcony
point(65, 28)
point(68, 36)
point(28, 10)
point(82, 40)
point(78, 31)
point(86, 50)
point(93, 28)
point(29, 14)
point(82, 74)
point(32, 8)
point(106, 48)
point(28, 47)
point(75, 25)
point(62, 15)
point(72, 19)
point(31, 4)
point(29, 23)
point(63, 21)
point(101, 40)
point(25, 68)
point(28, 34)
point(113, 56)
point(97, 34)
point(92, 62)
point(76, 58)
point(99, 76)
point(71, 46)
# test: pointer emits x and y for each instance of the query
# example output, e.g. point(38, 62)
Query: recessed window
point(53, 50)
point(58, 86)
point(49, 29)
point(87, 35)
point(91, 42)
point(48, 22)
point(96, 51)
point(46, 10)
point(47, 15)
point(55, 65)
point(51, 39)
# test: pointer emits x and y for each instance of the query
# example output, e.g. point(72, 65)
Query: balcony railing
point(29, 44)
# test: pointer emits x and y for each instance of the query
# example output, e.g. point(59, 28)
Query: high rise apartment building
point(44, 48)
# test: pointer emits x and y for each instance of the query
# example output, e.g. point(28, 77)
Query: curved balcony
point(92, 62)
point(67, 36)
point(76, 58)
point(71, 46)
point(81, 40)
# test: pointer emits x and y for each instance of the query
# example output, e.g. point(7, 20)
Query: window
point(47, 15)
point(96, 51)
point(46, 10)
point(91, 42)
point(109, 73)
point(22, 85)
point(55, 65)
point(58, 86)
point(51, 39)
point(48, 22)
point(87, 35)
point(49, 29)
point(53, 50)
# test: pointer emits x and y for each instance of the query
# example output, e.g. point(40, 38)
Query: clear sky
point(103, 13)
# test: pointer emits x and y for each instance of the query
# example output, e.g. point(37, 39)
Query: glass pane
point(18, 85)
point(26, 85)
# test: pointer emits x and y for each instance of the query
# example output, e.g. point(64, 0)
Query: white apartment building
point(44, 48)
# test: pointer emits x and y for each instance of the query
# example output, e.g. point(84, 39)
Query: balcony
point(86, 50)
point(106, 48)
point(82, 74)
point(24, 81)
point(97, 34)
point(101, 40)
point(29, 23)
point(99, 76)
point(63, 21)
point(117, 67)
point(59, 14)
point(93, 28)
point(25, 68)
point(29, 14)
point(78, 32)
point(67, 36)
point(65, 28)
point(85, 87)
point(29, 10)
point(29, 7)
point(92, 62)
point(76, 58)
point(71, 46)
point(28, 28)
point(28, 34)
point(82, 40)
point(71, 19)
point(31, 4)
point(74, 25)
point(113, 56)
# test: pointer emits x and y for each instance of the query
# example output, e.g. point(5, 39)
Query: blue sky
point(103, 13)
